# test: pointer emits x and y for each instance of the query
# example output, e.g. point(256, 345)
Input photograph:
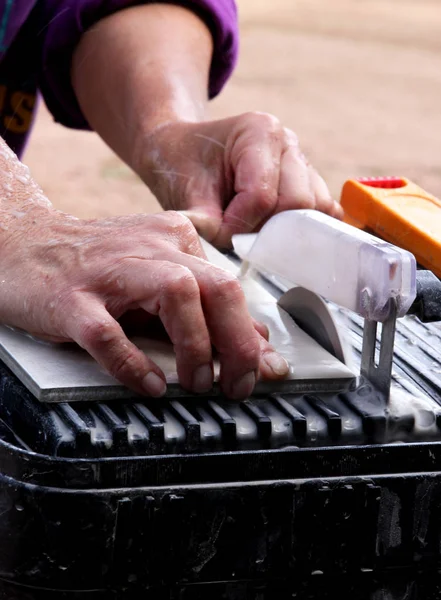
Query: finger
point(272, 364)
point(95, 330)
point(230, 325)
point(178, 229)
point(300, 184)
point(171, 291)
point(339, 213)
point(323, 199)
point(246, 213)
point(261, 329)
point(255, 161)
point(295, 188)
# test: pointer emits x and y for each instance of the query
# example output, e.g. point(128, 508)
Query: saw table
point(294, 493)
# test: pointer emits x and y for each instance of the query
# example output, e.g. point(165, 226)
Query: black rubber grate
point(151, 427)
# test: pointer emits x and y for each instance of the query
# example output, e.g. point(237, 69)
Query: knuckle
point(248, 350)
point(180, 224)
point(180, 282)
point(228, 288)
point(195, 345)
point(95, 333)
point(175, 218)
point(124, 363)
point(265, 201)
point(291, 137)
point(265, 121)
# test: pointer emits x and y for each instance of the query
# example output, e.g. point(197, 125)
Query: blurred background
point(358, 80)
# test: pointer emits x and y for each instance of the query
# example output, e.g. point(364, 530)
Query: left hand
point(230, 176)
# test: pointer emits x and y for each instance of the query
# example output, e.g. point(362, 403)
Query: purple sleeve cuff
point(66, 26)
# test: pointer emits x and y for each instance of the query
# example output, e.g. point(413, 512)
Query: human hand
point(64, 279)
point(230, 176)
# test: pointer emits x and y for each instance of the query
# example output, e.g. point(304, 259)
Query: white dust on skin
point(19, 193)
point(179, 185)
point(22, 201)
point(212, 140)
point(25, 214)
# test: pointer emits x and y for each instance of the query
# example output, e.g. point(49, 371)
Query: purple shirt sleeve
point(64, 27)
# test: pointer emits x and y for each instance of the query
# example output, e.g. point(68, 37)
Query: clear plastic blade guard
point(332, 259)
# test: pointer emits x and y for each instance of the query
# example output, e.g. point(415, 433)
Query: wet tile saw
point(316, 258)
point(327, 486)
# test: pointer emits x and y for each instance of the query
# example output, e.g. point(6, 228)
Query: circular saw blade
point(312, 314)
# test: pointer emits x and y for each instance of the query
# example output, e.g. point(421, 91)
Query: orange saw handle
point(398, 211)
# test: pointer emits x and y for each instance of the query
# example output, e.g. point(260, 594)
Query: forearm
point(140, 68)
point(22, 202)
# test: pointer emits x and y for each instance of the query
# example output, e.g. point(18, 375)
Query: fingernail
point(244, 386)
point(154, 385)
point(203, 379)
point(276, 363)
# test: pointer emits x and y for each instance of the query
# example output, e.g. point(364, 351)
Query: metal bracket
point(379, 375)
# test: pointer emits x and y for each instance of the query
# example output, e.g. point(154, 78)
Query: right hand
point(65, 280)
point(231, 175)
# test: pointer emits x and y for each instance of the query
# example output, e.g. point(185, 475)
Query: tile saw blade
point(313, 315)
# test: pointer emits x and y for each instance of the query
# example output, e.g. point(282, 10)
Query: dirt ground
point(359, 81)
